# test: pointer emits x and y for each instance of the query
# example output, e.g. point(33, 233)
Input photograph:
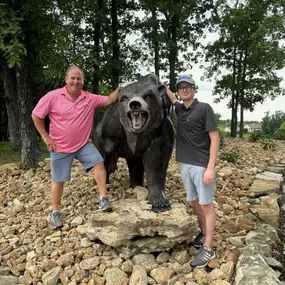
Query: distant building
point(253, 128)
point(228, 129)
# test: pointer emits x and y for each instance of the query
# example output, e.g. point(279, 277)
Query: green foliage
point(271, 123)
point(268, 144)
point(255, 136)
point(249, 49)
point(7, 154)
point(280, 133)
point(169, 28)
point(10, 33)
point(229, 156)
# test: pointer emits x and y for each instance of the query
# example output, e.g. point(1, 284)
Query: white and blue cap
point(185, 78)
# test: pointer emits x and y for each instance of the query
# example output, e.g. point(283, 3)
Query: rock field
point(32, 252)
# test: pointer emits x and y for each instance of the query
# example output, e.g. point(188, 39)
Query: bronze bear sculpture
point(138, 128)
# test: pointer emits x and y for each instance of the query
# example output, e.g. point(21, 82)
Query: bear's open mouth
point(138, 119)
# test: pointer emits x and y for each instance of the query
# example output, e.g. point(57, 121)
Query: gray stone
point(9, 280)
point(51, 277)
point(4, 270)
point(115, 276)
point(273, 263)
point(139, 276)
point(276, 169)
point(269, 176)
point(138, 228)
point(146, 260)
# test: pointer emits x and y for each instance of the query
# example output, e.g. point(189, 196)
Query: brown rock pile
point(31, 252)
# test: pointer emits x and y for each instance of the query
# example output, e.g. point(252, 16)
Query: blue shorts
point(192, 177)
point(61, 162)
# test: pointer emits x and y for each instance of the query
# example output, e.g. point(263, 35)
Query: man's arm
point(214, 148)
point(113, 97)
point(209, 174)
point(40, 126)
point(171, 95)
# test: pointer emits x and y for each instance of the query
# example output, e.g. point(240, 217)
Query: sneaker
point(199, 240)
point(202, 258)
point(55, 220)
point(105, 205)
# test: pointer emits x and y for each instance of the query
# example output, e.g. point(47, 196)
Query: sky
point(204, 94)
point(205, 89)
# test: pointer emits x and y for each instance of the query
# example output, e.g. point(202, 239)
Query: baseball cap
point(185, 78)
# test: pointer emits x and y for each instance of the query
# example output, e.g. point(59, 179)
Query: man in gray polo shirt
point(197, 146)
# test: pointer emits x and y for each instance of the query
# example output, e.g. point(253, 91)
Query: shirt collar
point(194, 103)
point(65, 93)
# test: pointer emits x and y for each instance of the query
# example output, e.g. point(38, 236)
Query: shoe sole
point(55, 227)
point(197, 246)
point(107, 210)
point(212, 257)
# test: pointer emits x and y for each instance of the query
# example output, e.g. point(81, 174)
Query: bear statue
point(138, 128)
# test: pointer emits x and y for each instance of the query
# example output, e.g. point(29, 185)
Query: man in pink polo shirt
point(71, 112)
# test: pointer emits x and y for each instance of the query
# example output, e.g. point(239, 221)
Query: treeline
point(40, 39)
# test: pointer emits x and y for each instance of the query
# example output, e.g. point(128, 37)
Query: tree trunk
point(233, 105)
point(173, 50)
point(96, 65)
point(155, 42)
point(30, 147)
point(11, 102)
point(96, 37)
point(241, 114)
point(234, 116)
point(5, 133)
point(242, 93)
point(115, 46)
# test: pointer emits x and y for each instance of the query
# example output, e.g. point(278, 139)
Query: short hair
point(75, 67)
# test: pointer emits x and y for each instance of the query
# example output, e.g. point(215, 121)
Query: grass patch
point(9, 155)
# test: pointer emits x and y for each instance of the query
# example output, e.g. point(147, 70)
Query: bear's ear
point(161, 89)
point(165, 100)
point(152, 78)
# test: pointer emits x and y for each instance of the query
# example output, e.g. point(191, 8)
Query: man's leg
point(60, 172)
point(56, 194)
point(198, 211)
point(210, 223)
point(100, 178)
point(207, 213)
point(90, 157)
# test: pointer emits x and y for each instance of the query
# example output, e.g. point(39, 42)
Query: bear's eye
point(123, 98)
point(147, 96)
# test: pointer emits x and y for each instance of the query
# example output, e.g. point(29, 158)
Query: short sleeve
point(98, 101)
point(43, 107)
point(210, 121)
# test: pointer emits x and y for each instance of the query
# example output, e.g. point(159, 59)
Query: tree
point(10, 51)
point(169, 30)
point(245, 58)
point(29, 43)
point(280, 133)
point(270, 123)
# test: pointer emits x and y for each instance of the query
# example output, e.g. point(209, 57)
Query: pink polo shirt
point(70, 121)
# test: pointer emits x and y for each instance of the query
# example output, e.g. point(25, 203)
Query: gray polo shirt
point(193, 126)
